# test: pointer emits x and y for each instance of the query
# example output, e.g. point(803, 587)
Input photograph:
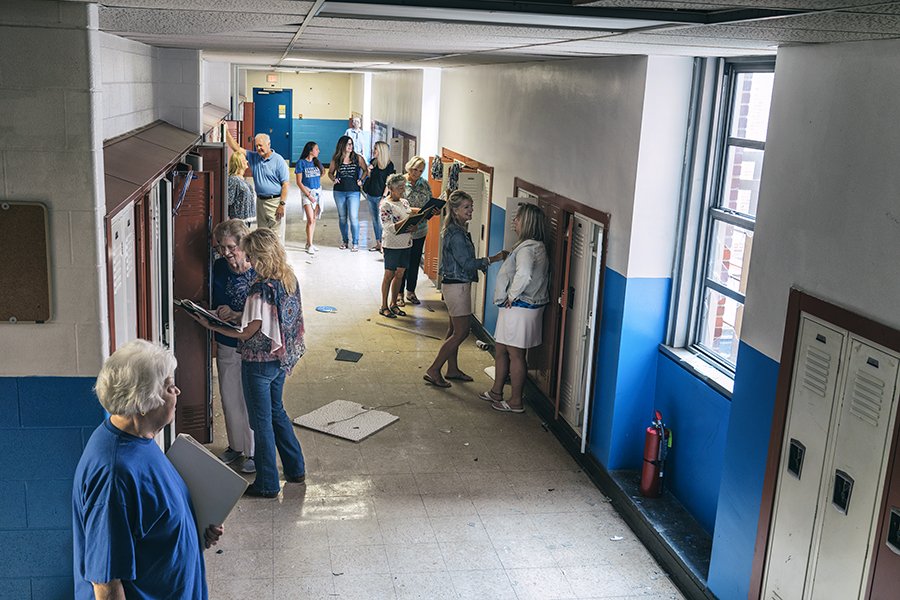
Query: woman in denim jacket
point(521, 292)
point(459, 268)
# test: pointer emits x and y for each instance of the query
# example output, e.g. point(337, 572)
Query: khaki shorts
point(458, 298)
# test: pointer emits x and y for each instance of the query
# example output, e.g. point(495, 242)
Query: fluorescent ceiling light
point(300, 59)
point(495, 17)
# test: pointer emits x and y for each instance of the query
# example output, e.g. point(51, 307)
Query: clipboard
point(412, 222)
point(198, 310)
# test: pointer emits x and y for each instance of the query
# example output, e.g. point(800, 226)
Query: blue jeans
point(348, 203)
point(374, 201)
point(263, 384)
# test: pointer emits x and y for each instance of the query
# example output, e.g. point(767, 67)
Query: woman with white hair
point(418, 192)
point(133, 525)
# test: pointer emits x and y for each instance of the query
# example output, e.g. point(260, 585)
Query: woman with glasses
point(232, 278)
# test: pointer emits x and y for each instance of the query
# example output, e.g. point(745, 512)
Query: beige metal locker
point(853, 484)
point(474, 185)
point(832, 470)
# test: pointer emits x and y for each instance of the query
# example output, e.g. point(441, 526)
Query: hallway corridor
point(454, 500)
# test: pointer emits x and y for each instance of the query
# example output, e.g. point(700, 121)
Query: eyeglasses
point(229, 249)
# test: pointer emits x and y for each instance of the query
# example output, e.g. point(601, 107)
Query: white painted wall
point(357, 95)
point(573, 127)
point(829, 209)
point(50, 152)
point(667, 99)
point(216, 83)
point(397, 100)
point(314, 95)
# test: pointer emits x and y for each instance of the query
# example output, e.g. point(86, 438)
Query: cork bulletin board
point(25, 274)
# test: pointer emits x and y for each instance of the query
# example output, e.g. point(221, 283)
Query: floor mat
point(347, 420)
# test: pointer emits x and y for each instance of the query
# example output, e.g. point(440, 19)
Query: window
point(714, 274)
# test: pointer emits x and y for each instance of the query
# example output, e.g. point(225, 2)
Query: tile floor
point(454, 500)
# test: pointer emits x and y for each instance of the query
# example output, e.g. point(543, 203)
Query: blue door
point(272, 110)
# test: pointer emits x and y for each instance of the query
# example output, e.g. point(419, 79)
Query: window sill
point(713, 377)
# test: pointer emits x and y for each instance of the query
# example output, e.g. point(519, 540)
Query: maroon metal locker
point(191, 272)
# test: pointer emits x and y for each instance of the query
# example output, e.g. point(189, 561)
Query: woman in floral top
point(271, 343)
point(241, 201)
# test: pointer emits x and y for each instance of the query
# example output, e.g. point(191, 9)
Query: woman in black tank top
point(347, 170)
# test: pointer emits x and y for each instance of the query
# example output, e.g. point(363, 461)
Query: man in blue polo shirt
point(270, 178)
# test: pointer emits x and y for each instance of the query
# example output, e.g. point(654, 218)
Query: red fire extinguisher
point(656, 446)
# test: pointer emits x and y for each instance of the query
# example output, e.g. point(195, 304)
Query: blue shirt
point(312, 177)
point(268, 173)
point(230, 289)
point(132, 520)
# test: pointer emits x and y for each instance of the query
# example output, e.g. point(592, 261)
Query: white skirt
point(519, 327)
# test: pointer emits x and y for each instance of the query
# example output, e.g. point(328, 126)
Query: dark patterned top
point(241, 202)
point(230, 289)
point(281, 334)
point(418, 194)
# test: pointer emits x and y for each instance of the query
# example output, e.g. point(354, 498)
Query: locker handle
point(795, 458)
point(893, 536)
point(843, 488)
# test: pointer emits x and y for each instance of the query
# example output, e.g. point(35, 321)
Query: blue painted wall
point(743, 471)
point(633, 326)
point(495, 245)
point(698, 416)
point(324, 132)
point(46, 422)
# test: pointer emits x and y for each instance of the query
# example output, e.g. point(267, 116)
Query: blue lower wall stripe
point(325, 132)
point(743, 472)
point(41, 445)
point(698, 416)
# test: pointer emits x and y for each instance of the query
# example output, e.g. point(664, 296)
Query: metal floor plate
point(347, 420)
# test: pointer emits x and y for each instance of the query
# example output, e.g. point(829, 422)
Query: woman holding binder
point(458, 269)
point(271, 343)
point(133, 526)
point(232, 278)
point(417, 193)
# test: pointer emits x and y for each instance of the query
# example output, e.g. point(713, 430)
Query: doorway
point(272, 114)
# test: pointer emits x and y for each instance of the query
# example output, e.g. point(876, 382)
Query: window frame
point(704, 184)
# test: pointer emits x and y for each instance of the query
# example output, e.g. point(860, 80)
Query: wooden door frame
point(800, 302)
point(570, 206)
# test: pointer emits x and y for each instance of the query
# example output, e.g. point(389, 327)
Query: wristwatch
point(281, 203)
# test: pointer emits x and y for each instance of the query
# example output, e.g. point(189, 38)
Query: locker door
point(803, 457)
point(124, 276)
point(473, 184)
point(855, 482)
point(578, 308)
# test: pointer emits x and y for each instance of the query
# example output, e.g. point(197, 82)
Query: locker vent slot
point(775, 596)
point(818, 365)
point(866, 402)
point(579, 244)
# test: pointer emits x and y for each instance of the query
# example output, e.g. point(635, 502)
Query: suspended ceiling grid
point(388, 35)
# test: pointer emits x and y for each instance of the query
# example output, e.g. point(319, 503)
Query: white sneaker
point(249, 466)
point(312, 249)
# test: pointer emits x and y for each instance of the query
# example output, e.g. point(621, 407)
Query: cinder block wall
point(50, 149)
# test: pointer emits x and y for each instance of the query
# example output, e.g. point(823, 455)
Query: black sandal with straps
point(398, 311)
point(386, 312)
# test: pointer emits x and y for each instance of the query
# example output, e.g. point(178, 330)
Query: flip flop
point(431, 381)
point(460, 377)
point(489, 396)
point(502, 406)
